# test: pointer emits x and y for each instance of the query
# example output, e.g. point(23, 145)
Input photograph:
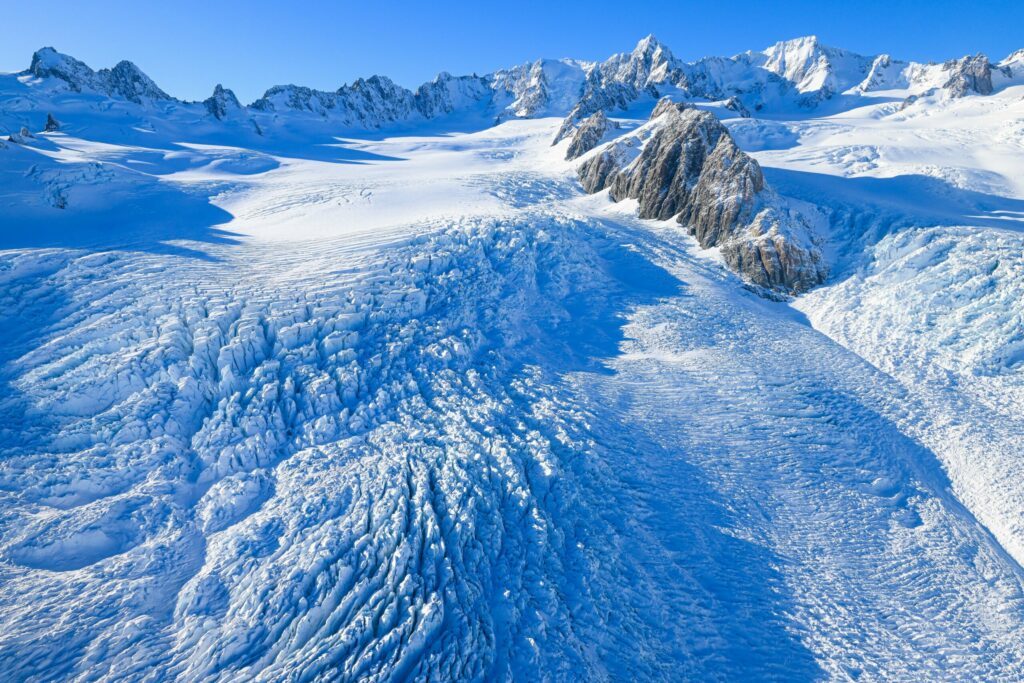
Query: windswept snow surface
point(415, 408)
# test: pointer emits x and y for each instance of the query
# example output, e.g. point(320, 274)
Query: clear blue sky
point(188, 46)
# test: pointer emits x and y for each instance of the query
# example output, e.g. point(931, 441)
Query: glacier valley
point(629, 370)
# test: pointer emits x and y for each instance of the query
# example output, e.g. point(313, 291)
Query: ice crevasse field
point(288, 398)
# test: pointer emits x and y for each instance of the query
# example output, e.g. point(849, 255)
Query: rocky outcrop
point(649, 64)
point(968, 75)
point(800, 72)
point(52, 124)
point(369, 103)
point(684, 164)
point(446, 94)
point(597, 98)
point(589, 134)
point(48, 63)
point(222, 103)
point(736, 105)
point(125, 80)
point(665, 106)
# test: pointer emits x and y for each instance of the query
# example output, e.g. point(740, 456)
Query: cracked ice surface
point(441, 417)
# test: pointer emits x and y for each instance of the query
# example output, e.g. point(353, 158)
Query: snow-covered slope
point(289, 399)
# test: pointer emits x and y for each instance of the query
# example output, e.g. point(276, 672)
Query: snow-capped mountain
point(639, 369)
point(794, 73)
point(125, 80)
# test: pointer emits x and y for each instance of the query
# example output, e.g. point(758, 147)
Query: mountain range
point(795, 74)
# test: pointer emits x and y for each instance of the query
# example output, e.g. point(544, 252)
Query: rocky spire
point(222, 102)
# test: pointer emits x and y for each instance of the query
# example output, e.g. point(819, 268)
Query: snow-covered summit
point(285, 400)
point(811, 66)
point(125, 80)
point(800, 74)
point(650, 62)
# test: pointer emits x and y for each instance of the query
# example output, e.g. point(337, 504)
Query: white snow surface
point(411, 406)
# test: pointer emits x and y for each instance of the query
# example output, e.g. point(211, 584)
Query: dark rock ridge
point(970, 75)
point(125, 80)
point(222, 103)
point(684, 164)
point(590, 133)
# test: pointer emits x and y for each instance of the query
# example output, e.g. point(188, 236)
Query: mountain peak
point(129, 81)
point(49, 63)
point(648, 43)
point(222, 102)
point(808, 41)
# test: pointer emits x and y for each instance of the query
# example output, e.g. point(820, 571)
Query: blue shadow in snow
point(921, 200)
point(593, 332)
point(132, 218)
point(715, 604)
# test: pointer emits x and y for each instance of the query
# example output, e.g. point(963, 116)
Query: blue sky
point(188, 46)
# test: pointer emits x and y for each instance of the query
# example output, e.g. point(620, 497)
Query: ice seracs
point(438, 414)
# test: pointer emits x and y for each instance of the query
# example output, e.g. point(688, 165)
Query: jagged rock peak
point(124, 80)
point(52, 124)
point(649, 63)
point(222, 102)
point(736, 104)
point(48, 63)
point(648, 45)
point(690, 168)
point(128, 81)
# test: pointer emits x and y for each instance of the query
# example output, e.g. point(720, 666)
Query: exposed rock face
point(125, 80)
point(969, 75)
point(770, 254)
point(690, 168)
point(52, 124)
point(801, 71)
point(545, 87)
point(736, 105)
point(446, 94)
point(222, 103)
point(48, 63)
point(649, 64)
point(369, 102)
point(596, 98)
point(815, 68)
point(128, 81)
point(665, 105)
point(589, 135)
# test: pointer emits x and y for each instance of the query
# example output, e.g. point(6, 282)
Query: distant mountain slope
point(790, 75)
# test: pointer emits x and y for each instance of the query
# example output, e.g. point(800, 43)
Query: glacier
point(364, 385)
